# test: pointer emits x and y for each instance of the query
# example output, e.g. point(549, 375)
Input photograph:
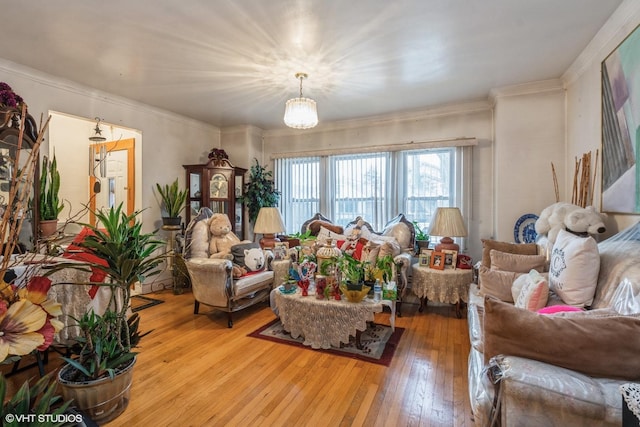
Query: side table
point(171, 245)
point(630, 404)
point(449, 286)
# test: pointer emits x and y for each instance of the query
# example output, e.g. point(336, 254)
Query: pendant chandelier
point(301, 113)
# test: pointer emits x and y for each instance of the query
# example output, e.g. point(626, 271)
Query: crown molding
point(619, 25)
point(381, 120)
point(529, 88)
point(75, 88)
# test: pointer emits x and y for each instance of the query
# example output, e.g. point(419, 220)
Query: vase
point(103, 399)
point(48, 227)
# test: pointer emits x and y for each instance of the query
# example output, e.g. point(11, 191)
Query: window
point(376, 186)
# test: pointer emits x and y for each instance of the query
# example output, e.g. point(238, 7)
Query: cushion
point(534, 293)
point(598, 346)
point(248, 255)
point(324, 234)
point(517, 263)
point(497, 283)
point(553, 309)
point(573, 272)
point(512, 248)
point(401, 233)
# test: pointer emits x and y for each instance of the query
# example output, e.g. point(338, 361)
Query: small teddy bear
point(222, 238)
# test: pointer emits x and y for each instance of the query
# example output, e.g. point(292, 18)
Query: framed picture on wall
point(437, 260)
point(621, 127)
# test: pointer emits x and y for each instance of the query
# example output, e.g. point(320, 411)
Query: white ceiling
point(231, 62)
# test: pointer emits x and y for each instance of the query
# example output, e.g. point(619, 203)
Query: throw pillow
point(505, 261)
point(324, 234)
point(553, 309)
point(573, 273)
point(497, 283)
point(512, 248)
point(534, 293)
point(590, 345)
point(249, 256)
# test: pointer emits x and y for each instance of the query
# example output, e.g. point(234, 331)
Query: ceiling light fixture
point(301, 113)
point(97, 132)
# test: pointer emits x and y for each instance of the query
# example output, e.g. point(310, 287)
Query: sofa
point(397, 238)
point(564, 369)
point(218, 282)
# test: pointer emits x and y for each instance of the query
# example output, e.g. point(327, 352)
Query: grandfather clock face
point(218, 187)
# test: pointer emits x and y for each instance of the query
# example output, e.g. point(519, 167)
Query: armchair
point(212, 279)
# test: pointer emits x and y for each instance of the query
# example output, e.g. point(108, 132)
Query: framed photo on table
point(437, 260)
point(450, 259)
point(425, 259)
point(281, 250)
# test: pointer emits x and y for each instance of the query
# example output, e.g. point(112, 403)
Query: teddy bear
point(350, 244)
point(254, 259)
point(222, 238)
point(570, 217)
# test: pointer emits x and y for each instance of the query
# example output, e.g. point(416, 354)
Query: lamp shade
point(301, 113)
point(447, 223)
point(268, 223)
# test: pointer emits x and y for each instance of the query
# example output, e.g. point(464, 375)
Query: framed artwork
point(281, 250)
point(437, 260)
point(450, 258)
point(621, 127)
point(425, 260)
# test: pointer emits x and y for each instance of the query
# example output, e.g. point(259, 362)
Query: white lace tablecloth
point(631, 395)
point(326, 323)
point(448, 286)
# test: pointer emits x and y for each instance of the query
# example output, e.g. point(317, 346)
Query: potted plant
point(422, 238)
point(259, 192)
point(173, 202)
point(105, 358)
point(49, 204)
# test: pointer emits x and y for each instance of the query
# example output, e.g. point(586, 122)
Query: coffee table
point(327, 323)
point(445, 286)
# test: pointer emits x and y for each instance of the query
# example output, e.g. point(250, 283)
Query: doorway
point(112, 180)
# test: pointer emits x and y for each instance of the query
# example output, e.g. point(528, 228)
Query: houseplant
point(260, 191)
point(49, 204)
point(173, 202)
point(422, 238)
point(105, 358)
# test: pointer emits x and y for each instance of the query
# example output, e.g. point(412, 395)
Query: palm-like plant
point(128, 256)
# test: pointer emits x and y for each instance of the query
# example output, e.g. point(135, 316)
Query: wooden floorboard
point(194, 371)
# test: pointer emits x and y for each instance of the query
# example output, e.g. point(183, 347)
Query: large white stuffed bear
point(567, 216)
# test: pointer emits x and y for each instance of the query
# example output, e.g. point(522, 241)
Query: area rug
point(139, 302)
point(379, 342)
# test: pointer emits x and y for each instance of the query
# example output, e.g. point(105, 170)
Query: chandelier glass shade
point(301, 113)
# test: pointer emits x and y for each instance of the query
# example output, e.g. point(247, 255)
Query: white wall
point(170, 140)
point(529, 135)
point(584, 112)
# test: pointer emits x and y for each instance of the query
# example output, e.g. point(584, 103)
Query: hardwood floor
point(194, 371)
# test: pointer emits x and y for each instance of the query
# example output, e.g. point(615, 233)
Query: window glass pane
point(298, 180)
point(429, 183)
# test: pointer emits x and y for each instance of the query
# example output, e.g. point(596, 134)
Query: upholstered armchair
point(212, 279)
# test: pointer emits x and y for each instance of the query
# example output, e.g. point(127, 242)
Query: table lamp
point(447, 223)
point(268, 223)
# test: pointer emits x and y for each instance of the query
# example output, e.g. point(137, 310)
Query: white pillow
point(573, 272)
point(534, 293)
point(324, 234)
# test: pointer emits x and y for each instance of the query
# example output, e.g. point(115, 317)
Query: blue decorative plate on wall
point(525, 229)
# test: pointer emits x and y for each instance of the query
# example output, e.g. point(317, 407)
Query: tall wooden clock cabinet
point(217, 185)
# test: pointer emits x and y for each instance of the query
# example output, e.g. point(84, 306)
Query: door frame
point(120, 145)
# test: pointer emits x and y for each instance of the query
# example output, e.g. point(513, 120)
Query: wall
point(170, 140)
point(529, 135)
point(464, 120)
point(583, 84)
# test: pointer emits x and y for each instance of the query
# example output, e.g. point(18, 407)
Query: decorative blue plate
point(284, 291)
point(525, 229)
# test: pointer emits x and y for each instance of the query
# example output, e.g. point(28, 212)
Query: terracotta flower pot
point(48, 227)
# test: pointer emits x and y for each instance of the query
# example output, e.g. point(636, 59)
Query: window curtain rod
point(403, 146)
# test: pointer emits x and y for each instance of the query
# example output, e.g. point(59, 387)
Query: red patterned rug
point(379, 342)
